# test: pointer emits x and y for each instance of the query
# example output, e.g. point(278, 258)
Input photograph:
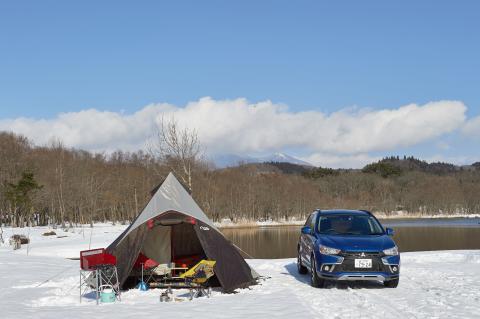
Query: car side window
point(309, 220)
point(312, 221)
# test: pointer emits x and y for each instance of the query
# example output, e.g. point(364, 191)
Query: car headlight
point(328, 250)
point(391, 251)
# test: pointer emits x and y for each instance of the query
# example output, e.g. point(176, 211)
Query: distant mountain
point(284, 167)
point(283, 158)
point(413, 164)
point(229, 160)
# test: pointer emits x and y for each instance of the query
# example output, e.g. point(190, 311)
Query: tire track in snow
point(358, 301)
point(324, 302)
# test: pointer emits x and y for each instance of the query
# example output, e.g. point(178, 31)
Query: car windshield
point(349, 225)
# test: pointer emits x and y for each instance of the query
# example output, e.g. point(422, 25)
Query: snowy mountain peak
point(229, 160)
point(281, 155)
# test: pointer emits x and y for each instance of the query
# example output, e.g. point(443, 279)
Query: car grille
point(349, 262)
point(359, 254)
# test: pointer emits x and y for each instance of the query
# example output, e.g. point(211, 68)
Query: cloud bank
point(238, 126)
point(472, 127)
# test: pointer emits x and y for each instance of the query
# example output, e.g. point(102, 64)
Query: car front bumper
point(384, 268)
point(357, 276)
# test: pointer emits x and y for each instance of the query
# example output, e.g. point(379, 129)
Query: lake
point(410, 235)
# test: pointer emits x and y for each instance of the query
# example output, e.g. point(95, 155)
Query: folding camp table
point(162, 275)
point(103, 275)
point(194, 279)
point(98, 268)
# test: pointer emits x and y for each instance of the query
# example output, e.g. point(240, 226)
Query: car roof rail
point(366, 211)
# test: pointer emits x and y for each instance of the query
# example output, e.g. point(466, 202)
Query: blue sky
point(322, 56)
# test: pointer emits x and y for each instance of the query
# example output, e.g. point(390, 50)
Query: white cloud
point(237, 126)
point(472, 127)
point(91, 129)
point(457, 160)
point(341, 161)
point(444, 146)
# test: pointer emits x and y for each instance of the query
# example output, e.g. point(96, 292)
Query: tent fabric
point(157, 245)
point(231, 269)
point(221, 250)
point(171, 196)
point(127, 252)
point(185, 241)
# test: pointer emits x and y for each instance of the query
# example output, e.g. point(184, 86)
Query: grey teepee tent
point(160, 231)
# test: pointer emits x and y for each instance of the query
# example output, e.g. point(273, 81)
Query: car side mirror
point(306, 230)
point(390, 231)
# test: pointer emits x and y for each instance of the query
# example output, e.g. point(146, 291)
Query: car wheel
point(316, 281)
point(301, 268)
point(391, 283)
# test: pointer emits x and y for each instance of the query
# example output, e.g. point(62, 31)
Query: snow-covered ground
point(44, 284)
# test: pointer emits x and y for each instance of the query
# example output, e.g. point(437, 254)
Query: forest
point(59, 185)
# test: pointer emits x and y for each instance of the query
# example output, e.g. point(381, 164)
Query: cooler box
point(90, 259)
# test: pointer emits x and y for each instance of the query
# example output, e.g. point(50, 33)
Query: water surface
point(410, 235)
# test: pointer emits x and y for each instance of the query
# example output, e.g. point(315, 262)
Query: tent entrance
point(170, 238)
point(186, 249)
point(177, 243)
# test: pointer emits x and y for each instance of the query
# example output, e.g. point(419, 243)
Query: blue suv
point(347, 245)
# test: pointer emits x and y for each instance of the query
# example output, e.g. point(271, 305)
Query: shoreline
point(254, 224)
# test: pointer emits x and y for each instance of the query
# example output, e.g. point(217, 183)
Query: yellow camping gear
point(201, 272)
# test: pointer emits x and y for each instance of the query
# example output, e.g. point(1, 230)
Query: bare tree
point(79, 186)
point(177, 148)
point(58, 149)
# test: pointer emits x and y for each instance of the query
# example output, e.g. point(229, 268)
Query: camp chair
point(197, 277)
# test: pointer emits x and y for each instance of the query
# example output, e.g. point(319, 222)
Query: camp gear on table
point(162, 269)
point(195, 279)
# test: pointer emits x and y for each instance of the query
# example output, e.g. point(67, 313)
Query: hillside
point(414, 164)
point(60, 185)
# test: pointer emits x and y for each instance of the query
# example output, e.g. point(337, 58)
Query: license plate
point(363, 263)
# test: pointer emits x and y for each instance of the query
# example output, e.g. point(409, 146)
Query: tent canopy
point(173, 225)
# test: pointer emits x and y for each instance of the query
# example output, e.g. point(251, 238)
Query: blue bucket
point(142, 286)
point(107, 294)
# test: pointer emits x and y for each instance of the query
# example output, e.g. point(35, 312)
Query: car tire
point(302, 270)
point(391, 283)
point(316, 281)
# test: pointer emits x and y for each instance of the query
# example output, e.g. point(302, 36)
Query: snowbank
point(44, 284)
